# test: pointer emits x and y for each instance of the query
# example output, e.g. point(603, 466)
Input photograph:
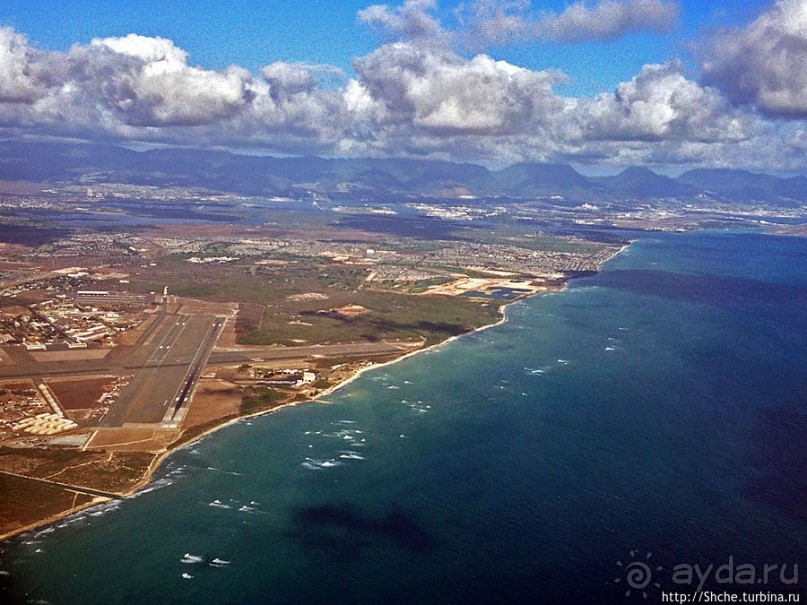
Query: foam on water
point(319, 464)
point(350, 455)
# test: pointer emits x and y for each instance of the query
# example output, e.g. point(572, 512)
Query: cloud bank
point(416, 95)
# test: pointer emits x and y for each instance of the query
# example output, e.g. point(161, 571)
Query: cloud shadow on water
point(346, 531)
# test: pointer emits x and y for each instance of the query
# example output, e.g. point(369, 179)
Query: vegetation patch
point(257, 399)
point(105, 471)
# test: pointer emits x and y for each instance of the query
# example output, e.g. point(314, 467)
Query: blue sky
point(608, 83)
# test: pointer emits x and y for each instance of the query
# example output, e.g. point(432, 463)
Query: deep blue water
point(657, 407)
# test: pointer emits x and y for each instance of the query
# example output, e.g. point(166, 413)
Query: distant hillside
point(641, 183)
point(742, 186)
point(368, 178)
point(536, 180)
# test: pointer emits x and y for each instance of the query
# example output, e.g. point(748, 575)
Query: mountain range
point(74, 163)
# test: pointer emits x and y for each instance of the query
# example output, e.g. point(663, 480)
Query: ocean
point(590, 450)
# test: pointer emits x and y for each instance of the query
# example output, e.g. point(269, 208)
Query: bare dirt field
point(80, 394)
point(249, 319)
point(130, 337)
point(25, 385)
point(212, 399)
point(25, 502)
point(464, 285)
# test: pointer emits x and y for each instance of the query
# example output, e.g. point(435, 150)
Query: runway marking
point(189, 381)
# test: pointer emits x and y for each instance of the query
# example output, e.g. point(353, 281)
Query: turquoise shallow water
point(657, 407)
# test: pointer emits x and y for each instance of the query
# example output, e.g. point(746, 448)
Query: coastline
point(54, 518)
point(158, 460)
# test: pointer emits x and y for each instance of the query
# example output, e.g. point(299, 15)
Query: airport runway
point(304, 352)
point(174, 349)
point(177, 408)
point(166, 363)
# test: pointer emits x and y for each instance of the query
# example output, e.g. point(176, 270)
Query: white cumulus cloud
point(440, 92)
point(660, 103)
point(765, 63)
point(153, 85)
point(504, 21)
point(409, 21)
point(24, 75)
point(413, 96)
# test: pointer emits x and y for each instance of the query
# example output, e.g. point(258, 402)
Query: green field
point(391, 315)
